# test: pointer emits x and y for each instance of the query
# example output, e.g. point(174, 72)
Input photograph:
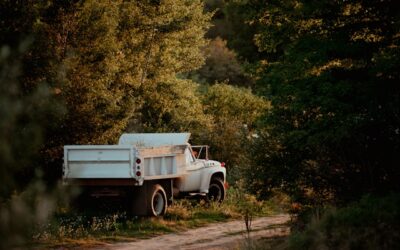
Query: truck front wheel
point(157, 201)
point(216, 191)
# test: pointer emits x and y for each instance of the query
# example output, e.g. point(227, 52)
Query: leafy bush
point(221, 65)
point(371, 223)
point(236, 113)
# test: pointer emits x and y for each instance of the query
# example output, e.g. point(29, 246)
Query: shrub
point(370, 223)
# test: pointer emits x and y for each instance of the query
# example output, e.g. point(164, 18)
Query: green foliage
point(103, 61)
point(219, 28)
point(20, 213)
point(91, 69)
point(236, 112)
point(330, 69)
point(122, 54)
point(97, 106)
point(370, 223)
point(29, 212)
point(30, 104)
point(24, 117)
point(248, 206)
point(169, 39)
point(242, 29)
point(227, 102)
point(231, 23)
point(221, 65)
point(173, 106)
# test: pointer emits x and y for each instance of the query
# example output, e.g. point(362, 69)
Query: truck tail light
point(223, 164)
point(137, 166)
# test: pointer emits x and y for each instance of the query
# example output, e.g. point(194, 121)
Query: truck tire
point(216, 191)
point(156, 201)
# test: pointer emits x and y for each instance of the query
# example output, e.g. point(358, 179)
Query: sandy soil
point(227, 235)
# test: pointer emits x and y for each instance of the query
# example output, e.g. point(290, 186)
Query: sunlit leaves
point(236, 113)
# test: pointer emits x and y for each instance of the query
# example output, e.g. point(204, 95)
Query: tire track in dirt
point(226, 235)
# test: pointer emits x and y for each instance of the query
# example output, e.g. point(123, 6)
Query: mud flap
point(138, 201)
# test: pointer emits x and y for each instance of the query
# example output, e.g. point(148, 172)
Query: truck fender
point(206, 178)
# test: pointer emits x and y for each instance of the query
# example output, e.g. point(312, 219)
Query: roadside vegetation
point(94, 227)
point(370, 223)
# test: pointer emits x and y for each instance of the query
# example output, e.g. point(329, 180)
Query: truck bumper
point(101, 182)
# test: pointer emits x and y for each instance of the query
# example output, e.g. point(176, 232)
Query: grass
point(71, 230)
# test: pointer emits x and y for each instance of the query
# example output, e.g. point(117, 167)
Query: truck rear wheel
point(157, 201)
point(216, 191)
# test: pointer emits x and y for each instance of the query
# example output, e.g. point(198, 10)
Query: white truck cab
point(148, 169)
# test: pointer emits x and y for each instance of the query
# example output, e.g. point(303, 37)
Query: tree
point(331, 71)
point(232, 23)
point(238, 14)
point(221, 65)
point(96, 99)
point(236, 112)
point(174, 106)
point(103, 60)
point(164, 43)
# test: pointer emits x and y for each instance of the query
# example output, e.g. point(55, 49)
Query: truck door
point(193, 163)
point(192, 179)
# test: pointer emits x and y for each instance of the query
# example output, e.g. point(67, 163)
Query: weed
point(247, 205)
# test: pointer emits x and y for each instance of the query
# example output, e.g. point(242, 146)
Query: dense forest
point(300, 97)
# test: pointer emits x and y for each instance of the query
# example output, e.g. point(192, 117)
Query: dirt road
point(228, 235)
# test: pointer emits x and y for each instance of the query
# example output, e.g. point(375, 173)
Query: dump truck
point(146, 170)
